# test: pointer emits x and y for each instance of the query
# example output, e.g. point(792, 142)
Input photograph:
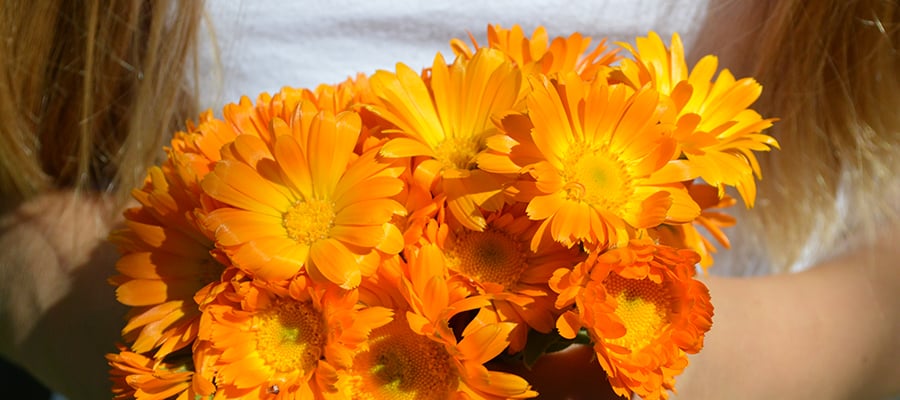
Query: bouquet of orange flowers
point(388, 236)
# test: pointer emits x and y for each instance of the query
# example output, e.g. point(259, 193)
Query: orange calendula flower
point(400, 363)
point(499, 261)
point(717, 132)
point(307, 202)
point(538, 54)
point(643, 310)
point(168, 257)
point(255, 119)
point(421, 339)
point(446, 118)
point(288, 340)
point(592, 150)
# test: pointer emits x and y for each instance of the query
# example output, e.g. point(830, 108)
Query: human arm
point(830, 332)
point(58, 316)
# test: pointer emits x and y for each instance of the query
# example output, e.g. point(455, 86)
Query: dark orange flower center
point(290, 336)
point(309, 221)
point(643, 306)
point(402, 365)
point(489, 256)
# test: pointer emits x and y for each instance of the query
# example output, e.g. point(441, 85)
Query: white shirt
point(264, 45)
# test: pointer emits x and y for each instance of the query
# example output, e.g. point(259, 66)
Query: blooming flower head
point(353, 94)
point(247, 117)
point(592, 150)
point(418, 355)
point(305, 202)
point(445, 118)
point(287, 340)
point(499, 261)
point(643, 311)
point(539, 55)
point(400, 363)
point(717, 132)
point(168, 257)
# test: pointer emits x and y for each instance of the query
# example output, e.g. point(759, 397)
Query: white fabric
point(267, 44)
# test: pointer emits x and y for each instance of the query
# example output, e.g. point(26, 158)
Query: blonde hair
point(829, 71)
point(89, 91)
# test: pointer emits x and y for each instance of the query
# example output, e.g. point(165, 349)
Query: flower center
point(309, 221)
point(458, 153)
point(643, 307)
point(488, 256)
point(597, 178)
point(290, 336)
point(402, 365)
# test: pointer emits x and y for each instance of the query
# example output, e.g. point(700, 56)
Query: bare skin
point(830, 332)
point(59, 316)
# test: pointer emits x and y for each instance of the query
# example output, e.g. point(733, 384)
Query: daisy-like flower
point(400, 363)
point(287, 340)
point(446, 118)
point(195, 151)
point(139, 377)
point(717, 132)
point(169, 264)
point(308, 202)
point(643, 311)
point(255, 118)
point(418, 356)
point(499, 261)
point(592, 150)
point(538, 54)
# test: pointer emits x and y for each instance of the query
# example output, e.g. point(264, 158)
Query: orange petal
point(294, 164)
point(335, 262)
point(237, 184)
point(405, 147)
point(366, 236)
point(234, 226)
point(486, 342)
point(568, 324)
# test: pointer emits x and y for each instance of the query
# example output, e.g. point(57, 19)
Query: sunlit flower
point(538, 54)
point(643, 310)
point(399, 363)
point(307, 202)
point(169, 263)
point(136, 376)
point(592, 150)
point(255, 118)
point(499, 261)
point(288, 340)
point(353, 94)
point(419, 355)
point(717, 132)
point(348, 95)
point(446, 118)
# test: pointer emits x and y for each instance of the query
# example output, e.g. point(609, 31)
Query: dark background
point(20, 384)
